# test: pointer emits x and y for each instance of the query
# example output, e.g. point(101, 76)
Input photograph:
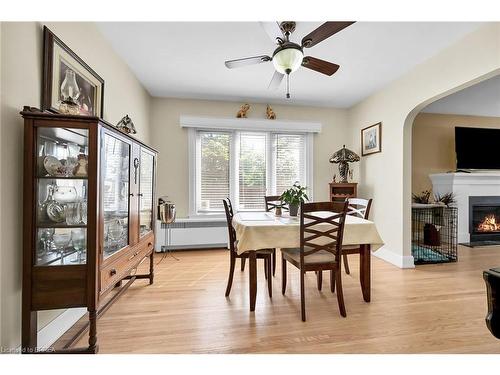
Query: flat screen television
point(477, 148)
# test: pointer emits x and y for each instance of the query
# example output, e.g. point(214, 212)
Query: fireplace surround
point(465, 185)
point(484, 218)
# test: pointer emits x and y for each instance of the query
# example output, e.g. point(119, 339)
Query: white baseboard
point(394, 258)
point(49, 334)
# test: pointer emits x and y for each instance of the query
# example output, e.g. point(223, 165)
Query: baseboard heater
point(191, 234)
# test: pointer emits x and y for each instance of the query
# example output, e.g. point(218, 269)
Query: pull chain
point(288, 85)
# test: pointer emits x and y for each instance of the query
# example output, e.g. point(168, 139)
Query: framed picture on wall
point(371, 139)
point(60, 66)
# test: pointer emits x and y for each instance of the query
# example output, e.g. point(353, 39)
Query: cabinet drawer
point(130, 259)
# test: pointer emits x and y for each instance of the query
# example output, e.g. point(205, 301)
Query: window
point(251, 170)
point(289, 160)
point(245, 166)
point(213, 171)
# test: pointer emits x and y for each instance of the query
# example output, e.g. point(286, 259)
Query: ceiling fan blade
point(276, 80)
point(323, 32)
point(247, 61)
point(319, 65)
point(273, 29)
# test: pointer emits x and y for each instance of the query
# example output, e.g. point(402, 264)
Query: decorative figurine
point(334, 178)
point(270, 113)
point(242, 113)
point(343, 157)
point(81, 168)
point(125, 125)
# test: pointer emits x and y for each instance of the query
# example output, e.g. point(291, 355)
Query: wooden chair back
point(322, 231)
point(270, 201)
point(359, 207)
point(228, 208)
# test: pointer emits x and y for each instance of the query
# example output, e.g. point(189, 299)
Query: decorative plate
point(52, 165)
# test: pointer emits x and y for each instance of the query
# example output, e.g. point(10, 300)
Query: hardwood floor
point(431, 309)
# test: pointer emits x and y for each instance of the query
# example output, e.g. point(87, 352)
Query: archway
point(407, 153)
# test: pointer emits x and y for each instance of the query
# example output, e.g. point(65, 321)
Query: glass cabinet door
point(62, 186)
point(146, 192)
point(115, 194)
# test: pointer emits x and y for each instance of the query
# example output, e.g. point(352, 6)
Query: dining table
point(265, 230)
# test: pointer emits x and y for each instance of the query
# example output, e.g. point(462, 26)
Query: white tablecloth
point(264, 230)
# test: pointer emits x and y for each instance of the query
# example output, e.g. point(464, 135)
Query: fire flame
point(489, 224)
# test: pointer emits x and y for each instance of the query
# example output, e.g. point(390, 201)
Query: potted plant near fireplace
point(294, 196)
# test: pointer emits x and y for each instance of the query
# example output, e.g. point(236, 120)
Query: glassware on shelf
point(65, 194)
point(61, 241)
point(47, 243)
point(72, 159)
point(115, 194)
point(50, 148)
point(83, 212)
point(72, 213)
point(50, 211)
point(55, 212)
point(79, 244)
point(115, 234)
point(42, 207)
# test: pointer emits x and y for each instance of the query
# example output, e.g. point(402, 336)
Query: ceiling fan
point(289, 56)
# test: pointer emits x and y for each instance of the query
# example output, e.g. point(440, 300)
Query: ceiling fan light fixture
point(288, 59)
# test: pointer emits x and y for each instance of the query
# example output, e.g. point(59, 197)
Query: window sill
point(206, 216)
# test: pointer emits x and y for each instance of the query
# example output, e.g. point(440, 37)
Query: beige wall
point(21, 82)
point(433, 144)
point(172, 141)
point(387, 176)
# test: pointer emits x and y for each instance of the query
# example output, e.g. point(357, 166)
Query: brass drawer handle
point(112, 272)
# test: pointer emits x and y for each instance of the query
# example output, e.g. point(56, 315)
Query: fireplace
point(484, 218)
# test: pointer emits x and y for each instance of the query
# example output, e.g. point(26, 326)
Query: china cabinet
point(88, 217)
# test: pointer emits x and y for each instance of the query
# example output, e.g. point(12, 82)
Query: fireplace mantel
point(465, 185)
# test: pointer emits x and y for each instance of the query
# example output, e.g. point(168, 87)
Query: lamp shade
point(344, 155)
point(288, 60)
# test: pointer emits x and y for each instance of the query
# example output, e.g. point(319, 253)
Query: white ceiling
point(482, 99)
point(186, 59)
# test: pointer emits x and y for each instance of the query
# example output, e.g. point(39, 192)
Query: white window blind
point(214, 170)
point(252, 171)
point(289, 156)
point(246, 166)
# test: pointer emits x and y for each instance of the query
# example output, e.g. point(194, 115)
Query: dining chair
point(271, 202)
point(358, 207)
point(265, 254)
point(321, 231)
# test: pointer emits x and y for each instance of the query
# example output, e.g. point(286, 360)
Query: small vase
point(277, 211)
point(294, 209)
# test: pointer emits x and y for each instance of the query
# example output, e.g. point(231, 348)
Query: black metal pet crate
point(434, 234)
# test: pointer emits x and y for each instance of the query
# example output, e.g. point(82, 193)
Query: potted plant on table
point(294, 196)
